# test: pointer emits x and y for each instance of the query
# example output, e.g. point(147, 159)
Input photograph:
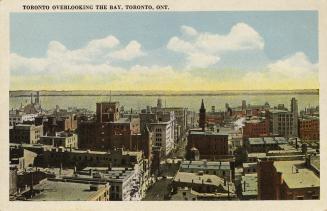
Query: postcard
point(135, 104)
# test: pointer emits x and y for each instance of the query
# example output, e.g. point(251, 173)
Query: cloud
point(131, 51)
point(210, 46)
point(293, 72)
point(107, 64)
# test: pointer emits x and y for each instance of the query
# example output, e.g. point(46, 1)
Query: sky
point(164, 50)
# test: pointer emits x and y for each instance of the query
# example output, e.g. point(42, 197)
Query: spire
point(202, 105)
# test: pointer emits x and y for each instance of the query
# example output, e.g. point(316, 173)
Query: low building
point(249, 184)
point(211, 187)
point(67, 190)
point(249, 168)
point(18, 117)
point(288, 180)
point(82, 158)
point(25, 133)
point(219, 168)
point(61, 139)
point(264, 144)
point(211, 145)
point(125, 183)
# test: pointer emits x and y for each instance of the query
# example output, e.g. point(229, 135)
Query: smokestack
point(31, 98)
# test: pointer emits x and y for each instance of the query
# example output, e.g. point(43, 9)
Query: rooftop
point(63, 191)
point(296, 175)
point(209, 133)
point(250, 185)
point(196, 178)
point(205, 165)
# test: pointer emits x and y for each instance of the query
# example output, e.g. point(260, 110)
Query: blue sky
point(277, 38)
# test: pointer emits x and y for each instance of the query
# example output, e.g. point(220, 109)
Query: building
point(202, 117)
point(71, 158)
point(287, 180)
point(255, 127)
point(18, 117)
point(53, 124)
point(61, 139)
point(309, 128)
point(25, 133)
point(206, 186)
point(283, 122)
point(249, 185)
point(67, 190)
point(110, 131)
point(125, 183)
point(264, 144)
point(21, 158)
point(249, 168)
point(221, 169)
point(211, 145)
point(107, 111)
point(163, 133)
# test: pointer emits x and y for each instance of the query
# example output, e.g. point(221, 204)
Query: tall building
point(159, 103)
point(107, 111)
point(295, 112)
point(163, 132)
point(284, 122)
point(202, 116)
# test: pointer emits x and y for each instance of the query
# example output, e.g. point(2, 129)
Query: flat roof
point(205, 165)
point(186, 177)
point(208, 133)
point(251, 185)
point(62, 191)
point(254, 141)
point(304, 178)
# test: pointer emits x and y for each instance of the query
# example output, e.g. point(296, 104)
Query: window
point(299, 197)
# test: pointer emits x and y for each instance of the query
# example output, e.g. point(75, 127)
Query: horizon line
point(155, 90)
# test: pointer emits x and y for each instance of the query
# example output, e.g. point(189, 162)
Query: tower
point(37, 98)
point(202, 116)
point(159, 103)
point(31, 98)
point(243, 104)
point(295, 114)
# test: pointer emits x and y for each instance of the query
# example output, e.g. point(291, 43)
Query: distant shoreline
point(95, 93)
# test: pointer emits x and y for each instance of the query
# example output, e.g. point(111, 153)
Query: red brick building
point(256, 128)
point(109, 131)
point(309, 128)
point(287, 180)
point(210, 145)
point(53, 124)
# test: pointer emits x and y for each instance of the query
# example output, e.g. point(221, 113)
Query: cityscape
point(164, 106)
point(162, 152)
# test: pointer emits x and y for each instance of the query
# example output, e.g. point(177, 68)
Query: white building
point(17, 117)
point(163, 133)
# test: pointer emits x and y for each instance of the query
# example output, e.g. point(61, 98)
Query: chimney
point(90, 172)
point(244, 185)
